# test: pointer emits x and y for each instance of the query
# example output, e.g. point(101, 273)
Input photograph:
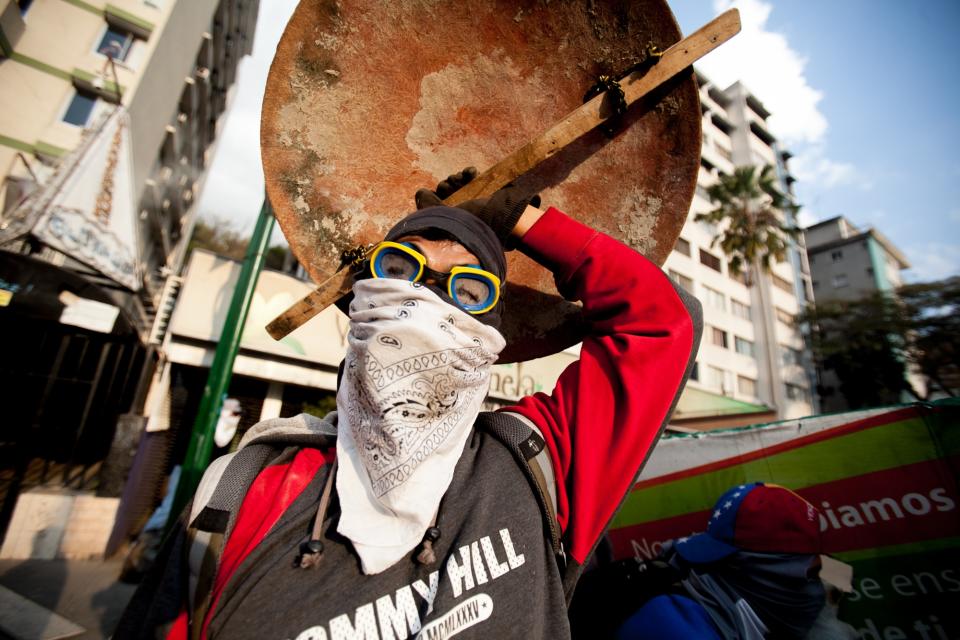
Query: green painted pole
point(221, 370)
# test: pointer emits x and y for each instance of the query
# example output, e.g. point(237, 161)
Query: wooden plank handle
point(578, 122)
point(328, 292)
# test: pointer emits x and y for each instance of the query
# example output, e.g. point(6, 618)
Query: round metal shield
point(369, 100)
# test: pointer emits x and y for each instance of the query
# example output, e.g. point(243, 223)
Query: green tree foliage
point(932, 314)
point(219, 236)
point(752, 216)
point(869, 343)
point(222, 238)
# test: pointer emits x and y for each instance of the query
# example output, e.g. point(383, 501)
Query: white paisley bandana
point(417, 371)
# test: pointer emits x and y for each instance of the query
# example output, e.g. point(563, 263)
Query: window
point(747, 386)
point(840, 281)
point(714, 377)
point(784, 317)
point(24, 6)
point(80, 107)
point(796, 392)
point(683, 281)
point(715, 299)
point(740, 309)
point(695, 372)
point(744, 347)
point(837, 255)
point(682, 247)
point(710, 260)
point(718, 337)
point(115, 43)
point(781, 283)
point(790, 356)
point(724, 152)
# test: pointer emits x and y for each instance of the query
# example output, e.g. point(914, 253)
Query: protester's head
point(757, 517)
point(451, 252)
point(762, 543)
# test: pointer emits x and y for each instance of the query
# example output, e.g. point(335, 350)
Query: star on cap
point(728, 504)
point(716, 514)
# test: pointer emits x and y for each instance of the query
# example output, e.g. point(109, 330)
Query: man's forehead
point(440, 247)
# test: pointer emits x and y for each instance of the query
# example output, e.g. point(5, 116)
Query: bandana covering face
point(417, 371)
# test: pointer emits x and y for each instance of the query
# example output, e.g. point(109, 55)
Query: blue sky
point(863, 93)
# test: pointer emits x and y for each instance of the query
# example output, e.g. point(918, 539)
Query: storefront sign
point(88, 211)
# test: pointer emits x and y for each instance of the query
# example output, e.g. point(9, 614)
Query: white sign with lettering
point(91, 214)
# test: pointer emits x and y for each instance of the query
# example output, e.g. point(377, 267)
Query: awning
point(703, 410)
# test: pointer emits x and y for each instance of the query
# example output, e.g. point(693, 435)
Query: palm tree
point(753, 216)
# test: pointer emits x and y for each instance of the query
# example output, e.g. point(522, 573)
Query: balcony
point(757, 107)
point(761, 132)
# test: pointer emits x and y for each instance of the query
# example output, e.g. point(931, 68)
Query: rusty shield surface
point(369, 100)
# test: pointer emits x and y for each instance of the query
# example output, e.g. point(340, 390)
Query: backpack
point(224, 485)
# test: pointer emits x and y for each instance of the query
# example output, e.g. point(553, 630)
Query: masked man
point(409, 512)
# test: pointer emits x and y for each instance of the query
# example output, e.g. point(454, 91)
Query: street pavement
point(86, 593)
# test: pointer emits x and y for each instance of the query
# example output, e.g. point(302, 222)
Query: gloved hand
point(427, 198)
point(500, 211)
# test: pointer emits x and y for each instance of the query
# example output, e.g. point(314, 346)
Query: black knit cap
point(463, 227)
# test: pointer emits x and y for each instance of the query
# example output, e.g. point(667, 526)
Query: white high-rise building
point(752, 365)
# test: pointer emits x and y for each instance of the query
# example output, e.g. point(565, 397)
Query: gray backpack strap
point(203, 546)
point(212, 516)
point(526, 442)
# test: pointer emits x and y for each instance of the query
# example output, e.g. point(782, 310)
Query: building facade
point(65, 68)
point(753, 362)
point(848, 263)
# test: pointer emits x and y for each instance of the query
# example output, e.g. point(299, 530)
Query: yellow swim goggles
point(473, 289)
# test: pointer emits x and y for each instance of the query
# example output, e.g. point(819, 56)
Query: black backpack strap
point(524, 440)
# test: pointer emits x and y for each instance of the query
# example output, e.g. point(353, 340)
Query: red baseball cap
point(755, 517)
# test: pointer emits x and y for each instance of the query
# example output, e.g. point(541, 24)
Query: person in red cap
point(410, 511)
point(753, 574)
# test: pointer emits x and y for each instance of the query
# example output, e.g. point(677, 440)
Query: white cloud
point(933, 261)
point(773, 71)
point(806, 218)
point(812, 167)
point(234, 187)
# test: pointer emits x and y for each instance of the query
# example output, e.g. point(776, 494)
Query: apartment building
point(849, 263)
point(65, 63)
point(752, 365)
point(78, 340)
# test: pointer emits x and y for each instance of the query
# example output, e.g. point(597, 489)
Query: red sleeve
point(609, 407)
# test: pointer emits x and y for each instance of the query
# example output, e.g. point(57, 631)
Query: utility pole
point(221, 370)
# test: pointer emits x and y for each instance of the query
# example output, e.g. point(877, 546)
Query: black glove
point(501, 211)
point(427, 198)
